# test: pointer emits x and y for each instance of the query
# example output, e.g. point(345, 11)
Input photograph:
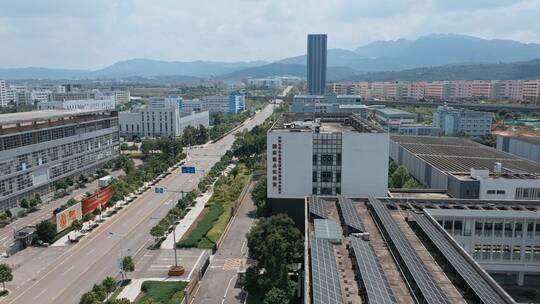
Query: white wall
point(296, 166)
point(509, 185)
point(364, 164)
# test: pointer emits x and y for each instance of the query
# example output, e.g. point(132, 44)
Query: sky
point(92, 34)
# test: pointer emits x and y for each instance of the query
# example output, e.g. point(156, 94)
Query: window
point(326, 159)
point(326, 177)
point(314, 190)
point(501, 192)
point(314, 179)
point(338, 159)
point(338, 190)
point(326, 191)
point(315, 159)
point(491, 192)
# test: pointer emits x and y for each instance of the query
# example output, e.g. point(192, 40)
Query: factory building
point(40, 147)
point(466, 169)
point(527, 147)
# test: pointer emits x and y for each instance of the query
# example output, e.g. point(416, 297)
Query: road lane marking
point(226, 290)
point(68, 270)
point(39, 294)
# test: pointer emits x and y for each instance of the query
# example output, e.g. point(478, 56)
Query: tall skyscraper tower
point(316, 64)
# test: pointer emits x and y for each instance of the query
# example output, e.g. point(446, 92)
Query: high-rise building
point(316, 64)
point(3, 94)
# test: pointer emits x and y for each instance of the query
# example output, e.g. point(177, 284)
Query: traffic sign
point(160, 190)
point(188, 170)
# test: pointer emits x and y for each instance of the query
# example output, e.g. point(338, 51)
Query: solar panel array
point(377, 289)
point(349, 213)
point(417, 270)
point(318, 207)
point(486, 293)
point(324, 273)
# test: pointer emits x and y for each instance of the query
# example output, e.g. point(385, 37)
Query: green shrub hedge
point(203, 226)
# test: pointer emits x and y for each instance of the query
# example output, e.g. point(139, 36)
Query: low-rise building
point(39, 148)
point(81, 104)
point(415, 129)
point(232, 103)
point(453, 121)
point(527, 147)
point(391, 116)
point(161, 118)
point(466, 169)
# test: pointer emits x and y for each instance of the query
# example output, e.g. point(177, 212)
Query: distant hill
point(426, 51)
point(291, 69)
point(145, 68)
point(501, 71)
point(152, 68)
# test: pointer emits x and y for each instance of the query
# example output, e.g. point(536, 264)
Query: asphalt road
point(98, 255)
point(219, 283)
point(45, 212)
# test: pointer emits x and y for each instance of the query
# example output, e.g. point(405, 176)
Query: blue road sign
point(188, 170)
point(160, 190)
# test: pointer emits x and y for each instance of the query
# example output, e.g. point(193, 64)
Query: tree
point(128, 265)
point(259, 195)
point(100, 291)
point(25, 203)
point(89, 298)
point(46, 231)
point(61, 185)
point(399, 177)
point(150, 301)
point(124, 146)
point(412, 184)
point(76, 226)
point(5, 275)
point(157, 231)
point(276, 296)
point(110, 285)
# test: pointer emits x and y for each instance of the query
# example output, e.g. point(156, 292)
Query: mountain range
point(390, 57)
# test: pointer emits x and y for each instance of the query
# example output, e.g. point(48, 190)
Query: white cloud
point(93, 34)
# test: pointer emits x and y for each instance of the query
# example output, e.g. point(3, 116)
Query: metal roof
point(327, 229)
point(22, 117)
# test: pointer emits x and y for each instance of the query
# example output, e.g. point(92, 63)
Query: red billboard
point(97, 199)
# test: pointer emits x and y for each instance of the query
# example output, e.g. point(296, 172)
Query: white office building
point(337, 153)
point(161, 118)
point(454, 121)
point(83, 104)
point(504, 242)
point(232, 103)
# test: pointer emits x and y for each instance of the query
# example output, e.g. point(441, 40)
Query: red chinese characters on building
point(276, 165)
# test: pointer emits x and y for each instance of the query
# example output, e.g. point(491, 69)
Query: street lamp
point(120, 236)
point(174, 241)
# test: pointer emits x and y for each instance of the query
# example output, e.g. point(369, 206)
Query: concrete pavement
point(97, 255)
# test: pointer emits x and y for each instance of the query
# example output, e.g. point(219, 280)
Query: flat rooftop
point(22, 117)
point(457, 156)
point(392, 111)
point(326, 122)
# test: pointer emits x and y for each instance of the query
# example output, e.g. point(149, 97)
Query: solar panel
point(324, 274)
point(479, 284)
point(376, 287)
point(418, 276)
point(349, 214)
point(318, 207)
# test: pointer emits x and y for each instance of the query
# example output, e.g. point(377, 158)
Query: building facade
point(527, 147)
point(504, 243)
point(460, 121)
point(89, 104)
point(3, 94)
point(161, 118)
point(41, 147)
point(316, 64)
point(334, 154)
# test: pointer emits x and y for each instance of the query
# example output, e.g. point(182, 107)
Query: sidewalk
point(132, 290)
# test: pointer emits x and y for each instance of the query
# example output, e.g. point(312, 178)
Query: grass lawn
point(164, 292)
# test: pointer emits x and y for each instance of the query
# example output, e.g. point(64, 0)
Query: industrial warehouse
point(387, 250)
point(466, 169)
